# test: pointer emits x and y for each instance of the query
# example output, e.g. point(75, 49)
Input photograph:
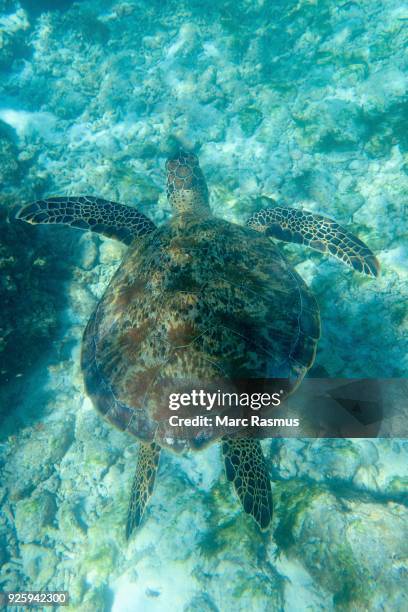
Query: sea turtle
point(198, 298)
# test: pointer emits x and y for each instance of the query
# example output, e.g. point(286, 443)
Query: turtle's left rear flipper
point(143, 483)
point(317, 232)
point(245, 467)
point(89, 213)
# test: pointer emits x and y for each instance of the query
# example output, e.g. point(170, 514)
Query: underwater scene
point(239, 169)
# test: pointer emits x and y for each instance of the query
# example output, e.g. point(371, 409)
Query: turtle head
point(186, 187)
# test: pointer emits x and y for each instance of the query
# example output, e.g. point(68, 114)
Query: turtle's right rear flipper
point(245, 467)
point(110, 219)
point(143, 483)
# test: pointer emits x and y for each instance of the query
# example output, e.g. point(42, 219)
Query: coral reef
point(14, 27)
point(28, 315)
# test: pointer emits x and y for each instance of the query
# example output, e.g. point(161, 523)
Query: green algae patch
point(231, 536)
point(99, 563)
point(33, 515)
point(347, 579)
point(110, 524)
point(322, 547)
point(227, 525)
point(97, 457)
point(290, 500)
point(237, 532)
point(39, 564)
point(123, 176)
point(147, 189)
point(77, 590)
point(70, 524)
point(398, 486)
point(249, 119)
point(261, 585)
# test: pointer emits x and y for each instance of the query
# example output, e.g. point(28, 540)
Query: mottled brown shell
point(198, 299)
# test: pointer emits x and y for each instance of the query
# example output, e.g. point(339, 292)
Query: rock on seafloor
point(304, 102)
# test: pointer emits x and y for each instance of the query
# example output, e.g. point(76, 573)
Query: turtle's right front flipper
point(89, 213)
point(318, 232)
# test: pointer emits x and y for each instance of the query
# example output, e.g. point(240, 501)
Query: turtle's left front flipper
point(317, 232)
point(143, 483)
point(245, 467)
point(89, 213)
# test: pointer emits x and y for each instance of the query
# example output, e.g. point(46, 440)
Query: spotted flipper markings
point(143, 483)
point(317, 232)
point(245, 467)
point(110, 219)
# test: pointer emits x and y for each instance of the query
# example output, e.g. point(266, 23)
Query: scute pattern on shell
point(197, 300)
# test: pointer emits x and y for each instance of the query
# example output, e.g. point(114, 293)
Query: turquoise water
point(304, 102)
